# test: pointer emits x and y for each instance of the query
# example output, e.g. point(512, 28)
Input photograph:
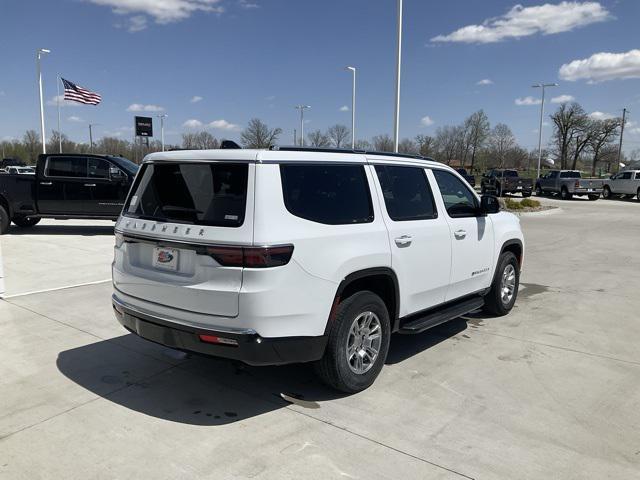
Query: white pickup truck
point(626, 183)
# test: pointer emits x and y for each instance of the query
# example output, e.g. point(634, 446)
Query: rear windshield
point(569, 174)
point(213, 194)
point(510, 173)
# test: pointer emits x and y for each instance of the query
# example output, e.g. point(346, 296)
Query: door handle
point(89, 184)
point(46, 183)
point(460, 234)
point(404, 240)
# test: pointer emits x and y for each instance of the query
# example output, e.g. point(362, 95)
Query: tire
point(26, 222)
point(606, 193)
point(564, 194)
point(594, 197)
point(335, 368)
point(4, 220)
point(495, 303)
point(638, 195)
point(538, 191)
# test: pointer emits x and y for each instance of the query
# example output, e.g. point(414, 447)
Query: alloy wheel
point(363, 342)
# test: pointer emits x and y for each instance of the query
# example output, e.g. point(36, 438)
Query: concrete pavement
point(550, 391)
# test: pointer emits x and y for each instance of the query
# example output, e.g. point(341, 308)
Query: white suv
point(299, 255)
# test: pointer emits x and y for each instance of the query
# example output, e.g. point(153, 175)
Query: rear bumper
point(588, 191)
point(243, 345)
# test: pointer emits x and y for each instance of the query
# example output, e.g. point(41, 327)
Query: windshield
point(570, 175)
point(201, 193)
point(125, 164)
point(510, 173)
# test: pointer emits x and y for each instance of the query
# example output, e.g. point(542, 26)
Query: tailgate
point(591, 183)
point(176, 216)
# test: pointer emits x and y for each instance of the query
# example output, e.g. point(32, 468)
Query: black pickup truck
point(500, 181)
point(66, 186)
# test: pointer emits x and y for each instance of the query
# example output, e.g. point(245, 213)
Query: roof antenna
point(229, 145)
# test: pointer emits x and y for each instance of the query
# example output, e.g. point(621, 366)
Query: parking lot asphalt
point(549, 391)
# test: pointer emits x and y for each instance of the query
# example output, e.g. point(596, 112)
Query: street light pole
point(396, 124)
point(91, 125)
point(624, 119)
point(301, 108)
point(39, 54)
point(162, 117)
point(543, 86)
point(353, 108)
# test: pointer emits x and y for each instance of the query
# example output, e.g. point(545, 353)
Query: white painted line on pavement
point(5, 297)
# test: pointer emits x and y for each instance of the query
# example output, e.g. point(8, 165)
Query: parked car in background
point(469, 178)
point(626, 183)
point(66, 186)
point(501, 181)
point(568, 183)
point(20, 170)
point(292, 255)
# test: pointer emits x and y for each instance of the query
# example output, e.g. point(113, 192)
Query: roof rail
point(345, 150)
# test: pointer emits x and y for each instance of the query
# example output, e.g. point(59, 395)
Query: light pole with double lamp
point(542, 86)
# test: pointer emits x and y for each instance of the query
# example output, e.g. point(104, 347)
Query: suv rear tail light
point(577, 184)
point(251, 257)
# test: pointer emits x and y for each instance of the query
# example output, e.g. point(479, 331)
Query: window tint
point(330, 194)
point(97, 168)
point(212, 194)
point(510, 173)
point(406, 191)
point(637, 175)
point(625, 176)
point(458, 199)
point(553, 174)
point(67, 167)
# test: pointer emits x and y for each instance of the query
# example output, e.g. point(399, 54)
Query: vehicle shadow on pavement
point(197, 390)
point(87, 231)
point(405, 346)
point(185, 388)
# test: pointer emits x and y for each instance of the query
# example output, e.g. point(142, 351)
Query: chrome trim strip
point(153, 316)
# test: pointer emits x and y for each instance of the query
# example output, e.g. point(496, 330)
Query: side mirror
point(489, 204)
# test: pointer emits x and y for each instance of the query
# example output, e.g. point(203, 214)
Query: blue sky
point(258, 58)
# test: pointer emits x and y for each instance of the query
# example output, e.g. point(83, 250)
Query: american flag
point(78, 94)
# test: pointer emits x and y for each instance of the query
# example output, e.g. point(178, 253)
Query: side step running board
point(431, 319)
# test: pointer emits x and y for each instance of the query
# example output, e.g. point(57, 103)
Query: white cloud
point(196, 99)
point(137, 23)
point(192, 123)
point(563, 99)
point(600, 115)
point(74, 118)
point(53, 102)
point(526, 101)
point(426, 121)
point(246, 4)
point(223, 125)
point(485, 81)
point(162, 11)
point(522, 21)
point(138, 107)
point(603, 66)
point(344, 108)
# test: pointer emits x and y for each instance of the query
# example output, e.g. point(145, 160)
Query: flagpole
point(59, 132)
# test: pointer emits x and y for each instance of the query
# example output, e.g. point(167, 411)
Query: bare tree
point(568, 119)
point(604, 132)
point(259, 135)
point(447, 142)
point(199, 141)
point(339, 134)
point(383, 143)
point(425, 145)
point(408, 147)
point(318, 139)
point(32, 145)
point(477, 125)
point(363, 145)
point(500, 142)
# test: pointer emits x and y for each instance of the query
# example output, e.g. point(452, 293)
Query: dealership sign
point(144, 126)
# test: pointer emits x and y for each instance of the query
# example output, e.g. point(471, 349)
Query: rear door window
point(329, 194)
point(213, 194)
point(67, 167)
point(406, 192)
point(97, 168)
